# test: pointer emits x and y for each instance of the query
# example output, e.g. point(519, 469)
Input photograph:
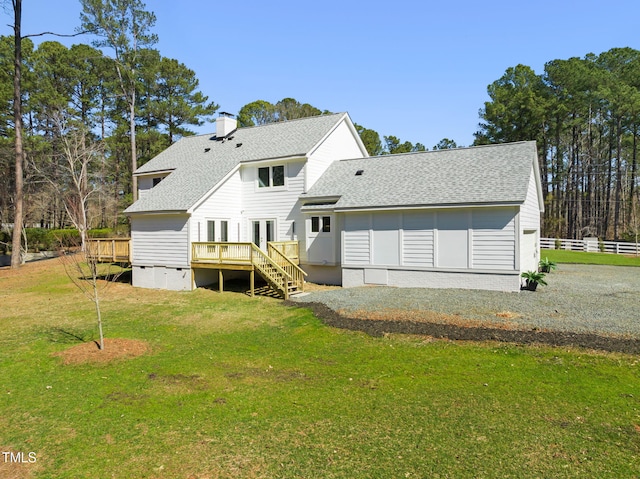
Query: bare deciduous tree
point(75, 184)
point(83, 268)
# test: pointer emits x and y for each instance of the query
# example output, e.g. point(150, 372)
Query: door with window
point(263, 231)
point(320, 240)
point(218, 231)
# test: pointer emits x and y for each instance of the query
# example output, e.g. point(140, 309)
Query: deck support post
point(252, 275)
point(220, 280)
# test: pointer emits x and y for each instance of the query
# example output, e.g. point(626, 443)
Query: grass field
point(235, 387)
point(580, 257)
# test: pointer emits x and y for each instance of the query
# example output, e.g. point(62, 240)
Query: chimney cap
point(227, 114)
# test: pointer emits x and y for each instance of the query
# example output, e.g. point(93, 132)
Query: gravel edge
point(378, 328)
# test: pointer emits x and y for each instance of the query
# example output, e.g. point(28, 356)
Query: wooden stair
point(281, 274)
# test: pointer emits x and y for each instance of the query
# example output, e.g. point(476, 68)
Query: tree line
point(584, 114)
point(261, 112)
point(89, 119)
point(72, 95)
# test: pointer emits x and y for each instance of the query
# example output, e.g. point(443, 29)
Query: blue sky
point(414, 69)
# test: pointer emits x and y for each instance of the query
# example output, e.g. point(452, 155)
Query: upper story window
point(157, 180)
point(271, 176)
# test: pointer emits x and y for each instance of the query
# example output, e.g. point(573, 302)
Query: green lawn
point(579, 257)
point(236, 387)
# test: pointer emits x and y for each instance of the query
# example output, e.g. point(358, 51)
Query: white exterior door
point(263, 231)
point(218, 231)
point(320, 240)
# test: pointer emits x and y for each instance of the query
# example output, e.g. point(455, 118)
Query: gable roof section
point(482, 175)
point(195, 171)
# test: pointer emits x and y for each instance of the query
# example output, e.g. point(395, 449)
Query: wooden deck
point(110, 250)
point(279, 270)
point(278, 265)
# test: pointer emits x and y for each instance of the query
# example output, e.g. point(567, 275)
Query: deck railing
point(221, 252)
point(288, 248)
point(278, 270)
point(115, 250)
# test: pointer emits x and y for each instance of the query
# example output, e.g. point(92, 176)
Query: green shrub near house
point(43, 239)
point(5, 242)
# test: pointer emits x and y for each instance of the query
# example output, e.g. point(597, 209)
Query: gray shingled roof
point(195, 172)
point(478, 175)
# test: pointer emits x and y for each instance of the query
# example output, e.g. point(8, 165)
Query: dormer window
point(271, 176)
point(156, 181)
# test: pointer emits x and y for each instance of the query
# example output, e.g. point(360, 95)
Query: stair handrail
point(295, 271)
point(283, 256)
point(271, 262)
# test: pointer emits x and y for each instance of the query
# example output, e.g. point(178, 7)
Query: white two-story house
point(251, 199)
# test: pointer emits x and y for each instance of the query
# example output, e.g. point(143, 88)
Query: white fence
point(591, 245)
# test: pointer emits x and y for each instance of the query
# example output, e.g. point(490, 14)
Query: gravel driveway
point(579, 299)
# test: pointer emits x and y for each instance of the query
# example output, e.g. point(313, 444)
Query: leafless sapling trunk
point(83, 268)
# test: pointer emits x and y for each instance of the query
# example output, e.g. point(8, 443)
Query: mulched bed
point(459, 329)
point(114, 349)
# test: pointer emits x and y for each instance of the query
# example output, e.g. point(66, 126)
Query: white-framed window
point(155, 181)
point(271, 176)
point(321, 224)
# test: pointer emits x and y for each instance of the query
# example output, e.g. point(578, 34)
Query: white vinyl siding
point(462, 239)
point(223, 204)
point(453, 239)
point(529, 254)
point(418, 239)
point(340, 145)
point(530, 210)
point(160, 240)
point(356, 239)
point(494, 239)
point(386, 241)
point(146, 183)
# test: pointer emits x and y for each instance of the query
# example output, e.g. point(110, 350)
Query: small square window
point(263, 177)
point(315, 224)
point(326, 224)
point(270, 176)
